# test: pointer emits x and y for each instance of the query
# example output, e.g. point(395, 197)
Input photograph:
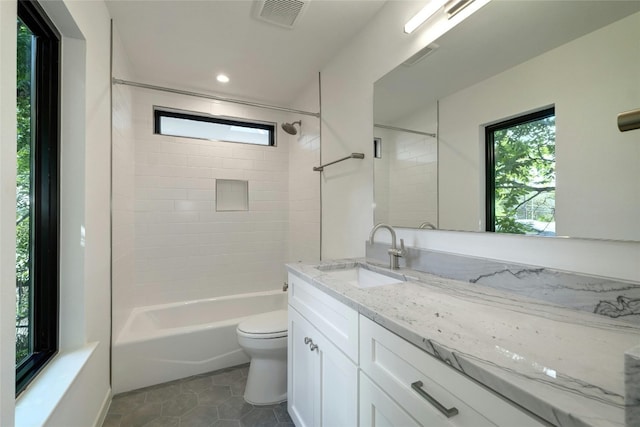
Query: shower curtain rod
point(432, 135)
point(214, 97)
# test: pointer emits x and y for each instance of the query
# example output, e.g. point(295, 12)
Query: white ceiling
point(502, 34)
point(185, 44)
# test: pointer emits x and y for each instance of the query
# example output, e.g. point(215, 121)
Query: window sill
point(36, 404)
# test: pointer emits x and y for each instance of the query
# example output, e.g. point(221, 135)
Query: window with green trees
point(521, 174)
point(37, 193)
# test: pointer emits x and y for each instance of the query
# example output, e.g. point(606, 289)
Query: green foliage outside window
point(525, 178)
point(23, 191)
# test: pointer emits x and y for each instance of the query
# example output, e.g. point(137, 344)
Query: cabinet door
point(377, 409)
point(303, 376)
point(338, 386)
point(322, 381)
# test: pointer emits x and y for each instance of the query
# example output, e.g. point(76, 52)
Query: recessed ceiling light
point(222, 78)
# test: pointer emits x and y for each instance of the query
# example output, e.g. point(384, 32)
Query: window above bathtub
point(216, 128)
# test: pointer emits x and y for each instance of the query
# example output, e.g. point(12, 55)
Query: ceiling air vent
point(421, 54)
point(284, 13)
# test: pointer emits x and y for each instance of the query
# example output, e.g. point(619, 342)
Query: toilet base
point(267, 382)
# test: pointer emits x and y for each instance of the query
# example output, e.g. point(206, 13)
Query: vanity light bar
point(454, 6)
point(425, 13)
point(451, 8)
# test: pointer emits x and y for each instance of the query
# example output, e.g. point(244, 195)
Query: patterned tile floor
point(208, 400)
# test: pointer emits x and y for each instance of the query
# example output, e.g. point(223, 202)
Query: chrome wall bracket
point(351, 156)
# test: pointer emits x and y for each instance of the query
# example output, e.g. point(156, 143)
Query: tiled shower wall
point(406, 177)
point(183, 248)
point(413, 182)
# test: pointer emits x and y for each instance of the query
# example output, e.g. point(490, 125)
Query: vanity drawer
point(338, 322)
point(409, 374)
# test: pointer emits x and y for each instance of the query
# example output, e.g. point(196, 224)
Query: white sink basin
point(363, 278)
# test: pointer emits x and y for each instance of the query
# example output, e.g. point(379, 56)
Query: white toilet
point(264, 338)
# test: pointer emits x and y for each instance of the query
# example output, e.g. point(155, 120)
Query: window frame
point(45, 280)
point(490, 158)
point(159, 112)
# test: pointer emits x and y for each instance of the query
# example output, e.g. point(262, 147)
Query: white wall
point(347, 98)
point(8, 128)
point(51, 399)
point(122, 178)
point(598, 190)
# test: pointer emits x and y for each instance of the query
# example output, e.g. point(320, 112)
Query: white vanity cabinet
point(401, 384)
point(346, 370)
point(322, 358)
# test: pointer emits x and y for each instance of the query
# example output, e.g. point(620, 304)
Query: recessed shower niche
point(232, 195)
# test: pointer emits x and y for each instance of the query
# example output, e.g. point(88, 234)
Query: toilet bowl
point(264, 338)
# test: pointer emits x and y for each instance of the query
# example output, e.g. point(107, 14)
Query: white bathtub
point(166, 342)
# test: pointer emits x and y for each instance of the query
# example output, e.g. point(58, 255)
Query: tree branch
point(25, 216)
point(527, 199)
point(527, 187)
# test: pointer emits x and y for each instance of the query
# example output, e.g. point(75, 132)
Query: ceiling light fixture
point(451, 8)
point(454, 6)
point(222, 78)
point(425, 13)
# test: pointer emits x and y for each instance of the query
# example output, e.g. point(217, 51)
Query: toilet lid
point(266, 324)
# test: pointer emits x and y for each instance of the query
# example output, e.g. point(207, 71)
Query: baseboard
point(104, 409)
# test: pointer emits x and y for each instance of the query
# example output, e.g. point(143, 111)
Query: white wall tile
point(154, 205)
point(143, 193)
point(243, 153)
point(237, 164)
point(192, 205)
point(201, 195)
point(204, 161)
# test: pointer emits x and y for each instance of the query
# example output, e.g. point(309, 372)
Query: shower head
point(290, 128)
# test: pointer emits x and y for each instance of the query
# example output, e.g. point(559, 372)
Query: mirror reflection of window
point(521, 174)
point(377, 148)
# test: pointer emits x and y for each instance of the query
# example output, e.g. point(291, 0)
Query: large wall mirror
point(576, 60)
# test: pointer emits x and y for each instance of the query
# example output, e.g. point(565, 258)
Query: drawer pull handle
point(307, 340)
point(417, 386)
point(313, 346)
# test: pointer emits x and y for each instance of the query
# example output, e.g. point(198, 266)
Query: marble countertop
point(565, 366)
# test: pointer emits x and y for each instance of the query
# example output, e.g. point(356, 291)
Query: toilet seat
point(265, 326)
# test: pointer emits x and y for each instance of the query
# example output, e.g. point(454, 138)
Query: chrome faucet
point(427, 224)
point(394, 252)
